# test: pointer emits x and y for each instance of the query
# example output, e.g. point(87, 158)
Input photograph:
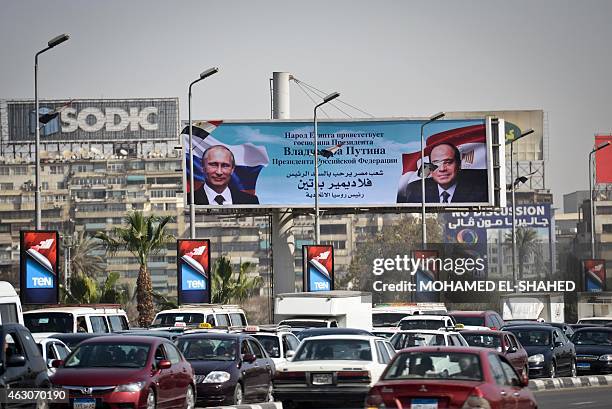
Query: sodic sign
point(112, 119)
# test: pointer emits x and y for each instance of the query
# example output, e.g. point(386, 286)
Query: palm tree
point(227, 287)
point(526, 245)
point(85, 290)
point(82, 258)
point(142, 236)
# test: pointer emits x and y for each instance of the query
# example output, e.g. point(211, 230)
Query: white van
point(10, 305)
point(192, 315)
point(82, 318)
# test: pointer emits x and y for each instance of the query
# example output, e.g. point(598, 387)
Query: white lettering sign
point(110, 119)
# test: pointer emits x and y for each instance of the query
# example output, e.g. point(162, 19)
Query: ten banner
point(318, 268)
point(193, 267)
point(39, 275)
point(594, 275)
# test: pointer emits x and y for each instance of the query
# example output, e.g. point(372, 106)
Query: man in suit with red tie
point(218, 163)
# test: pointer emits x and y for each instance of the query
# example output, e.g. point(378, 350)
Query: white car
point(426, 322)
point(417, 338)
point(279, 342)
point(51, 349)
point(331, 368)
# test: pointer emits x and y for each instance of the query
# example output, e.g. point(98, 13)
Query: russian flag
point(250, 159)
point(470, 140)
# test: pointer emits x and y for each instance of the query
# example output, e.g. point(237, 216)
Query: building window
point(333, 229)
point(607, 228)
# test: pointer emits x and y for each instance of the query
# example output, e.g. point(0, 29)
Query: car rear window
point(470, 321)
point(435, 365)
point(404, 340)
point(592, 338)
point(421, 324)
point(109, 355)
point(171, 319)
point(270, 343)
point(482, 340)
point(334, 349)
point(49, 322)
point(387, 319)
point(530, 338)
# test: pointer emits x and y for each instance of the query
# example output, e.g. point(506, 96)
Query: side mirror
point(16, 360)
point(164, 364)
point(250, 358)
point(511, 350)
point(56, 363)
point(290, 354)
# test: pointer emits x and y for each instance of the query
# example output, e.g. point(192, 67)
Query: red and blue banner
point(194, 283)
point(39, 275)
point(318, 268)
point(594, 275)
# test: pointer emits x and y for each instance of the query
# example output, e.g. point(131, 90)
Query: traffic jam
point(411, 356)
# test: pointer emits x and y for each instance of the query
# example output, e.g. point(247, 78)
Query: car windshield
point(421, 324)
point(405, 340)
point(304, 324)
point(387, 319)
point(107, 355)
point(208, 349)
point(592, 338)
point(532, 337)
point(482, 340)
point(595, 322)
point(171, 319)
point(334, 349)
point(57, 322)
point(270, 344)
point(470, 321)
point(435, 365)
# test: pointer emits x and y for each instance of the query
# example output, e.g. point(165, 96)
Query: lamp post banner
point(318, 268)
point(374, 163)
point(193, 268)
point(39, 275)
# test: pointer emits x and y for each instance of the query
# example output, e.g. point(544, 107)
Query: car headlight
point(536, 359)
point(130, 387)
point(216, 377)
point(607, 357)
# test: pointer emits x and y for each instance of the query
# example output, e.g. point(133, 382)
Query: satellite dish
point(67, 154)
point(123, 152)
point(95, 151)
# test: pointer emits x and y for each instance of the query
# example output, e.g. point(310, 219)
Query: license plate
point(424, 404)
point(84, 403)
point(321, 379)
point(583, 365)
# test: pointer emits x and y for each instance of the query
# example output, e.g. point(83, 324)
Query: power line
point(323, 93)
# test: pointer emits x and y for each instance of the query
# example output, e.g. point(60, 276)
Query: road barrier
point(269, 405)
point(568, 383)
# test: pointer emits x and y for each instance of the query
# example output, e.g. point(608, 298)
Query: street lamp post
point(52, 43)
point(591, 177)
point(511, 142)
point(203, 75)
point(423, 176)
point(328, 98)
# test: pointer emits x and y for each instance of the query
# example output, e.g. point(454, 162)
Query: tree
point(85, 290)
point(228, 287)
point(142, 236)
point(82, 258)
point(526, 245)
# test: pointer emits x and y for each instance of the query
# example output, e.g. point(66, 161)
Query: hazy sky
point(390, 58)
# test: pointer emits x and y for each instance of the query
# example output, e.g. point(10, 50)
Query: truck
point(337, 308)
point(549, 307)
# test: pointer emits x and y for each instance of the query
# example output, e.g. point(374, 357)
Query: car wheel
point(553, 370)
point(151, 401)
point(270, 395)
point(189, 398)
point(573, 371)
point(238, 395)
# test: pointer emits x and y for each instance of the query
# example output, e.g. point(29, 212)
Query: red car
point(489, 319)
point(450, 378)
point(503, 342)
point(119, 372)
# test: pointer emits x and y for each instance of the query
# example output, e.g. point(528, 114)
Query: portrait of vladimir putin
point(219, 164)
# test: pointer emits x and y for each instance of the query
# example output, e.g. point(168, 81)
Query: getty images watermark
point(421, 274)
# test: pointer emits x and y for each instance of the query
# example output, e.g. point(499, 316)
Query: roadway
point(587, 398)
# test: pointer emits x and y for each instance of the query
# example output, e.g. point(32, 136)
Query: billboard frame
point(179, 271)
point(23, 290)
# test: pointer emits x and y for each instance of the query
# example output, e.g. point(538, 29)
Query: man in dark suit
point(448, 182)
point(219, 164)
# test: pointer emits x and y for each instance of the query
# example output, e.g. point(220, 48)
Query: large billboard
point(374, 163)
point(39, 275)
point(94, 120)
point(318, 268)
point(603, 160)
point(194, 282)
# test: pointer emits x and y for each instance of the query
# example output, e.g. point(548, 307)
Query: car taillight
point(290, 376)
point(354, 376)
point(476, 400)
point(374, 400)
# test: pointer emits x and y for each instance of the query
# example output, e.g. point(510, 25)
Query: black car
point(172, 336)
point(566, 328)
point(75, 338)
point(315, 332)
point(550, 352)
point(229, 368)
point(593, 350)
point(21, 363)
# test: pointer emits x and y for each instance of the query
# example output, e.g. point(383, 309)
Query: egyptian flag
point(250, 159)
point(470, 140)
